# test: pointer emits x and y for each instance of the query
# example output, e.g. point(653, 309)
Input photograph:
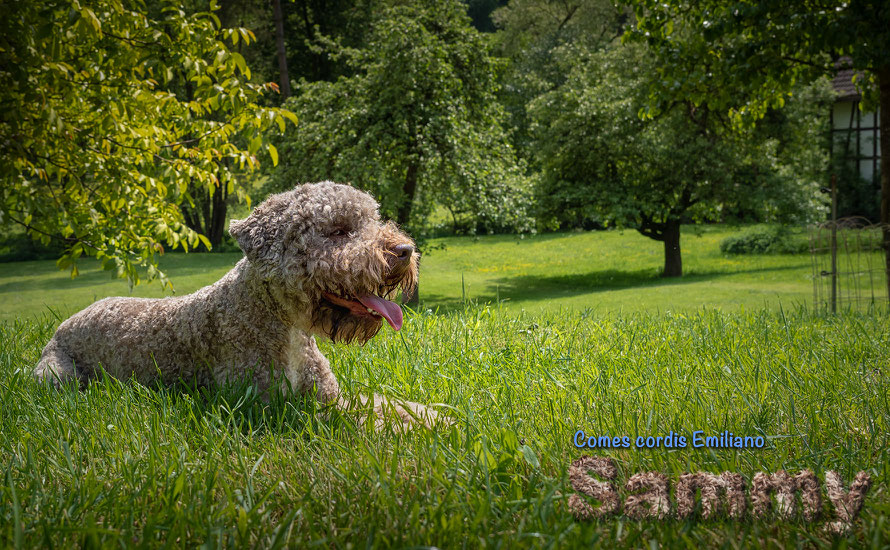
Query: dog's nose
point(403, 252)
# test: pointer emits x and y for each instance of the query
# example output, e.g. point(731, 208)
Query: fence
point(849, 269)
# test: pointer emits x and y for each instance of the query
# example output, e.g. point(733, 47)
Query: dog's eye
point(337, 233)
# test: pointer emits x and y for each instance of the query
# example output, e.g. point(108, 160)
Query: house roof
point(843, 85)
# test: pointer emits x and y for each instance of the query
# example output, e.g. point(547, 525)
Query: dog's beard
point(341, 325)
point(357, 315)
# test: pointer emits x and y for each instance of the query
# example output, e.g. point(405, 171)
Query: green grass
point(610, 271)
point(584, 335)
point(123, 464)
point(35, 288)
point(605, 270)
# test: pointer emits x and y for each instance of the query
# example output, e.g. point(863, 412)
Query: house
point(855, 150)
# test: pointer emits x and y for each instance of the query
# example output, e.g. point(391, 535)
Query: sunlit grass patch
point(608, 271)
point(120, 463)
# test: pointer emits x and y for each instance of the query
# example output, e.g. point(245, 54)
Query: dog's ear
point(260, 234)
point(242, 231)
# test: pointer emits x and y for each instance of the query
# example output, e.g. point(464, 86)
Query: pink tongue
point(390, 310)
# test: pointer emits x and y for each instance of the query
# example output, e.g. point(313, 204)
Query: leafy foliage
point(763, 49)
point(789, 159)
point(417, 123)
point(770, 240)
point(112, 116)
point(539, 38)
point(603, 163)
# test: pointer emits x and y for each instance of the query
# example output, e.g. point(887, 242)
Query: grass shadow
point(543, 287)
point(238, 406)
point(176, 266)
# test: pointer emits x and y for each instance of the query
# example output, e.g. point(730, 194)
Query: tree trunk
point(217, 222)
point(284, 78)
point(884, 83)
point(208, 216)
point(403, 216)
point(673, 261)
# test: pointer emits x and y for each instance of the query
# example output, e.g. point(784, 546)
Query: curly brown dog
point(318, 261)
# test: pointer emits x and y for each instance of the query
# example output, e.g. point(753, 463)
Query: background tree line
point(479, 115)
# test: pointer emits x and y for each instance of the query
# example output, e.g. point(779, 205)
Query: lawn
point(584, 337)
point(119, 463)
point(607, 271)
point(610, 271)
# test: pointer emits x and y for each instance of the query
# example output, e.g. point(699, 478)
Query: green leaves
point(756, 52)
point(241, 64)
point(112, 116)
point(90, 18)
point(417, 123)
point(610, 158)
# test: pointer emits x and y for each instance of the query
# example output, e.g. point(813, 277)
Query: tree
point(538, 37)
point(282, 53)
point(101, 144)
point(417, 123)
point(207, 212)
point(755, 52)
point(602, 162)
point(312, 23)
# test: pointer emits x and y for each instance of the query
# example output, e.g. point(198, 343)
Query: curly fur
point(599, 490)
point(730, 485)
point(784, 486)
point(650, 497)
point(847, 504)
point(260, 319)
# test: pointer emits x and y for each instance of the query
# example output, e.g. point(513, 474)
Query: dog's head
point(323, 253)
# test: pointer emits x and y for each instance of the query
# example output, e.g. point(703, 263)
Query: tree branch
point(67, 240)
point(805, 62)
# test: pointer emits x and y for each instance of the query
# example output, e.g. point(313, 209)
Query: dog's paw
point(403, 415)
point(410, 414)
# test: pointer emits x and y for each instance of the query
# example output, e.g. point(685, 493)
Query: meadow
point(521, 343)
point(607, 271)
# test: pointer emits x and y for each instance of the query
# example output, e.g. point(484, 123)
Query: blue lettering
point(581, 433)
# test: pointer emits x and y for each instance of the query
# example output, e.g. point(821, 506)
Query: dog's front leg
point(407, 413)
point(307, 368)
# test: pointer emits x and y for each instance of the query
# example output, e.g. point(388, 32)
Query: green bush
point(772, 240)
point(16, 246)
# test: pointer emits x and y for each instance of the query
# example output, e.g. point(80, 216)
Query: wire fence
point(849, 266)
